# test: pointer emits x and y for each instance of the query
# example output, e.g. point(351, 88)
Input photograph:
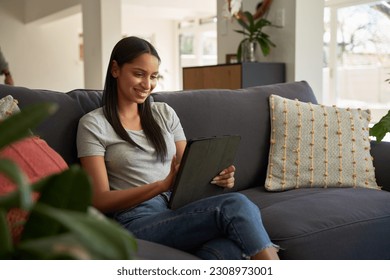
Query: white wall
point(41, 55)
point(45, 53)
point(46, 10)
point(309, 44)
point(162, 34)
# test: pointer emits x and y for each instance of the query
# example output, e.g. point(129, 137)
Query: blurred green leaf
point(5, 236)
point(21, 197)
point(103, 237)
point(62, 246)
point(18, 125)
point(382, 127)
point(70, 190)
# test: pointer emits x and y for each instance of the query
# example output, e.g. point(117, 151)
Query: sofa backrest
point(244, 112)
point(202, 112)
point(59, 130)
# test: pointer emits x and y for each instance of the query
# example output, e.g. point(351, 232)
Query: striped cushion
point(318, 146)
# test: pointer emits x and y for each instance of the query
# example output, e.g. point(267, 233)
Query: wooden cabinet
point(233, 76)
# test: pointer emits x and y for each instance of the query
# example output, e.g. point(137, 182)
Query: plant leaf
point(62, 246)
point(253, 32)
point(243, 24)
point(18, 125)
point(5, 237)
point(251, 21)
point(21, 197)
point(382, 127)
point(60, 190)
point(70, 189)
point(261, 23)
point(242, 32)
point(101, 236)
point(264, 46)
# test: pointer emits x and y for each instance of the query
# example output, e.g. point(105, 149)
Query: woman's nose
point(146, 83)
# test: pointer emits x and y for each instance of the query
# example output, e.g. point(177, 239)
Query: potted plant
point(61, 224)
point(253, 35)
point(382, 127)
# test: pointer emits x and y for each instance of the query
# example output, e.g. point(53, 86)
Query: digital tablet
point(203, 159)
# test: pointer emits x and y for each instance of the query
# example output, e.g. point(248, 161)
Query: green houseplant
point(253, 34)
point(382, 127)
point(60, 224)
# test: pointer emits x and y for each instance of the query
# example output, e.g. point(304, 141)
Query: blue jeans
point(226, 226)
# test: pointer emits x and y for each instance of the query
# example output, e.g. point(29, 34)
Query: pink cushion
point(38, 160)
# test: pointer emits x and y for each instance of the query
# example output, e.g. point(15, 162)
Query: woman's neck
point(130, 118)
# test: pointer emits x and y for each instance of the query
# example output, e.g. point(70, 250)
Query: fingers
point(168, 181)
point(174, 164)
point(225, 178)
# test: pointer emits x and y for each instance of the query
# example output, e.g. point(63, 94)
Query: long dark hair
point(125, 51)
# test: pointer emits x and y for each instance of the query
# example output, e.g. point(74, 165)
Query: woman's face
point(137, 79)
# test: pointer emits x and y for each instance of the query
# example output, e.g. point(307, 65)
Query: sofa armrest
point(381, 153)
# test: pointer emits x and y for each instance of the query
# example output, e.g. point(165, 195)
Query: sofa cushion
point(87, 99)
point(147, 250)
point(243, 112)
point(318, 146)
point(334, 223)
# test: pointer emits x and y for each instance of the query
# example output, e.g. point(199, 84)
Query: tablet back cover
point(203, 159)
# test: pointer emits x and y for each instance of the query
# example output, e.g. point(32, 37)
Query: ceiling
point(171, 9)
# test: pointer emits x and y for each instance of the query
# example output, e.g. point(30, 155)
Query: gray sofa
point(308, 223)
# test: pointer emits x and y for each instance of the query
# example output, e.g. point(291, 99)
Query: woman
point(132, 147)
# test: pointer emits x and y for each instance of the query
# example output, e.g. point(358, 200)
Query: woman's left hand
point(225, 178)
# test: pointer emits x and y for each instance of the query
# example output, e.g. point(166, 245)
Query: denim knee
point(243, 223)
point(220, 249)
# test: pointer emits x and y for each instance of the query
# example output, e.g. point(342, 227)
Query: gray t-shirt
point(128, 166)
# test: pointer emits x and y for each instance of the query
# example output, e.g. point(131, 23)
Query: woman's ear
point(114, 69)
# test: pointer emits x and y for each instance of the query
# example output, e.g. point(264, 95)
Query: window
point(198, 42)
point(356, 55)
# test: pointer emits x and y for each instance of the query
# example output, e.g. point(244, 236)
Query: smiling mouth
point(142, 93)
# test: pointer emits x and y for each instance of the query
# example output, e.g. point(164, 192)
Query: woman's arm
point(107, 200)
point(180, 147)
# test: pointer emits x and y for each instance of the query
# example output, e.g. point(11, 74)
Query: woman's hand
point(168, 181)
point(225, 179)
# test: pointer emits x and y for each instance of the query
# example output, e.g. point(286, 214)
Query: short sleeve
point(169, 120)
point(90, 141)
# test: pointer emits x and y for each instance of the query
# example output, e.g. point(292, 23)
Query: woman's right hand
point(169, 180)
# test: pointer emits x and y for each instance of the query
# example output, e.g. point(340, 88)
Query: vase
point(248, 51)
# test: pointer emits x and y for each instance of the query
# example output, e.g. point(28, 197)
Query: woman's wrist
point(163, 186)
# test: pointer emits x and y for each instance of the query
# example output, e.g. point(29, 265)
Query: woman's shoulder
point(162, 108)
point(96, 115)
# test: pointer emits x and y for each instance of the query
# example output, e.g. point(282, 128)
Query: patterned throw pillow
point(318, 146)
point(37, 160)
point(33, 156)
point(8, 106)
